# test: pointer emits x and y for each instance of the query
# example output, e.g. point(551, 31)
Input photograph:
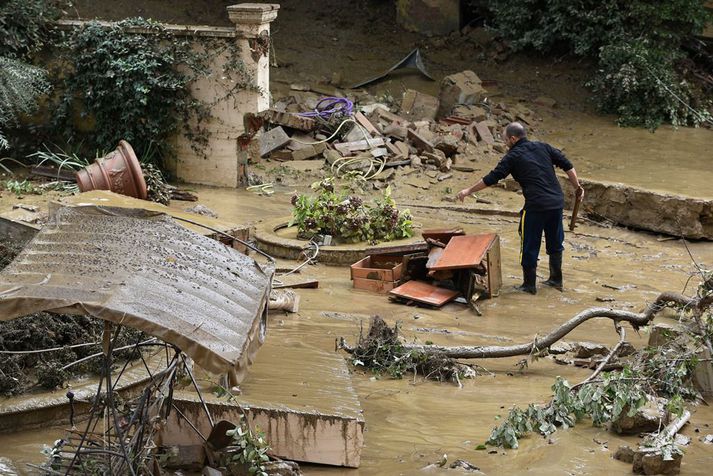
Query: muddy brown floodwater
point(412, 422)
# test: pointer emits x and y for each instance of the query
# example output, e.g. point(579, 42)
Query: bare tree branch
point(636, 320)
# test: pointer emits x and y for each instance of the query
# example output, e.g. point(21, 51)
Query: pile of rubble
point(437, 134)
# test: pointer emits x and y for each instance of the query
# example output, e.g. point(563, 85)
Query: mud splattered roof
point(141, 269)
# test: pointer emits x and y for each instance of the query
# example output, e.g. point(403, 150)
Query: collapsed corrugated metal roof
point(141, 269)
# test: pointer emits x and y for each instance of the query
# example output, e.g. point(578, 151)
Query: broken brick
point(461, 88)
point(366, 124)
point(419, 142)
point(484, 133)
point(546, 101)
point(273, 139)
point(416, 105)
point(288, 120)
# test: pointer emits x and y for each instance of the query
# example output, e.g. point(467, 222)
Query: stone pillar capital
point(247, 17)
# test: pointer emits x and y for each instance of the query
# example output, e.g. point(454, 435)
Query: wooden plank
point(426, 293)
point(434, 255)
point(443, 235)
point(464, 252)
point(374, 285)
point(400, 249)
point(346, 148)
point(312, 284)
point(495, 276)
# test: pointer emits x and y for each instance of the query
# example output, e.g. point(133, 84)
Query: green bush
point(130, 80)
point(25, 26)
point(20, 86)
point(130, 86)
point(637, 45)
point(347, 217)
point(639, 84)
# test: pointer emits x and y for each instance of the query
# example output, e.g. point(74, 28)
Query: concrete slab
point(660, 212)
point(51, 408)
point(301, 398)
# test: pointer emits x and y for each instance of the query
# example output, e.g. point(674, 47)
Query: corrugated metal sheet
point(141, 269)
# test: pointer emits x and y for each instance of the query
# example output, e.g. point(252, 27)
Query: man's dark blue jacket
point(532, 164)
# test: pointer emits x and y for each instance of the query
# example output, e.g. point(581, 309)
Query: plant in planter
point(348, 218)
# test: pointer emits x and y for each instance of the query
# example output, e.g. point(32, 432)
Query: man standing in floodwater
point(532, 165)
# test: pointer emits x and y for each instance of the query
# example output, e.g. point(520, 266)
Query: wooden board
point(378, 267)
point(464, 252)
point(495, 277)
point(426, 293)
point(374, 285)
point(443, 235)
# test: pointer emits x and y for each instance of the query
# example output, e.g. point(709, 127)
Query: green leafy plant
point(637, 81)
point(131, 79)
point(637, 45)
point(603, 401)
point(25, 26)
point(348, 217)
point(253, 448)
point(20, 86)
point(23, 187)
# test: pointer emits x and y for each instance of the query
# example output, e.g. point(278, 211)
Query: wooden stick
point(575, 212)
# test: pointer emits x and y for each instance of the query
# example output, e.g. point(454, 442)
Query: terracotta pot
point(118, 171)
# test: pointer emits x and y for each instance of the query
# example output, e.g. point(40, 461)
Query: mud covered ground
point(411, 422)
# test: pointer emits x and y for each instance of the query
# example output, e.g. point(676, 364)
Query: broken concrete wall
point(293, 434)
point(659, 212)
point(221, 163)
point(430, 17)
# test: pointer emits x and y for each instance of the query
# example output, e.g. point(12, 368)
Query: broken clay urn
point(118, 171)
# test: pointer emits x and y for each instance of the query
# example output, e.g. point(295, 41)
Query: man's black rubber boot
point(529, 281)
point(555, 279)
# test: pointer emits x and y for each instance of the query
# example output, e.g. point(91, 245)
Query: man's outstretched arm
point(471, 190)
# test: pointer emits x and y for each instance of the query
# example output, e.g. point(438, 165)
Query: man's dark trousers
point(532, 225)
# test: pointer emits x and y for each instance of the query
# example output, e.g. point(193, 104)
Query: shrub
point(639, 84)
point(637, 45)
point(347, 217)
point(130, 85)
point(20, 86)
point(25, 26)
point(131, 79)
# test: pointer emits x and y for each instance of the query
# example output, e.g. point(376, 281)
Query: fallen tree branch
point(636, 320)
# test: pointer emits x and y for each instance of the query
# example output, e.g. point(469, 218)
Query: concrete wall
point(219, 163)
point(659, 212)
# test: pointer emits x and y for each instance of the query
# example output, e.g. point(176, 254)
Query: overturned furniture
point(198, 298)
point(456, 264)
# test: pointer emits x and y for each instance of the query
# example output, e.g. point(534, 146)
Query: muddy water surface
point(678, 161)
point(411, 423)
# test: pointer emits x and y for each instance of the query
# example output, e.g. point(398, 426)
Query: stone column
point(223, 162)
point(252, 25)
